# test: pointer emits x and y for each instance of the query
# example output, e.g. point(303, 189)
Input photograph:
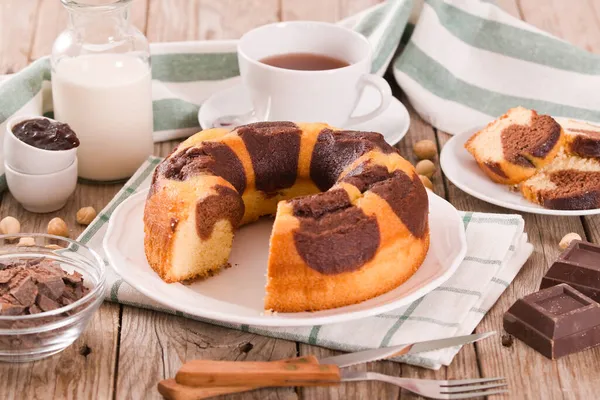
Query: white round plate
point(235, 295)
point(462, 170)
point(393, 123)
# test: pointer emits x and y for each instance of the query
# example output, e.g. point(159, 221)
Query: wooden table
point(125, 351)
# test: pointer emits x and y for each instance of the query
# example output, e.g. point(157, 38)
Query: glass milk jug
point(101, 87)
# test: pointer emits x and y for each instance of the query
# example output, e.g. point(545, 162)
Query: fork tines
point(469, 388)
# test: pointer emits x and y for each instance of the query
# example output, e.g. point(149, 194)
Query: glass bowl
point(31, 337)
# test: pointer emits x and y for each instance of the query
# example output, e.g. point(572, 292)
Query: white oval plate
point(462, 170)
point(392, 123)
point(235, 295)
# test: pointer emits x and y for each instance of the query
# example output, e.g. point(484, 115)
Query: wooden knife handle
point(208, 373)
point(171, 390)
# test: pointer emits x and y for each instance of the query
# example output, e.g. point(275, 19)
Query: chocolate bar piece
point(579, 266)
point(556, 321)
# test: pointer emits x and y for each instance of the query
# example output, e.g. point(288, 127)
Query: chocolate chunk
point(51, 286)
point(7, 274)
point(335, 150)
point(25, 291)
point(46, 303)
point(69, 293)
point(50, 267)
point(65, 301)
point(226, 204)
point(34, 309)
point(10, 309)
point(274, 148)
point(507, 340)
point(578, 266)
point(34, 261)
point(85, 350)
point(4, 288)
point(73, 278)
point(556, 321)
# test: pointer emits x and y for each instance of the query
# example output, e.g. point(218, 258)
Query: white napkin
point(497, 249)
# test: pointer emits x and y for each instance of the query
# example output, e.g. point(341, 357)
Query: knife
point(359, 357)
point(205, 378)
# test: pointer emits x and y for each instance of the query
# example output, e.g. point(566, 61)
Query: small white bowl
point(25, 158)
point(42, 193)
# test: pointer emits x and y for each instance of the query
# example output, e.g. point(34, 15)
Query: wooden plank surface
point(319, 10)
point(52, 19)
point(125, 350)
point(17, 20)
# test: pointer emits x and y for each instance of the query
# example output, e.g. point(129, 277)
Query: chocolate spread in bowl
point(45, 134)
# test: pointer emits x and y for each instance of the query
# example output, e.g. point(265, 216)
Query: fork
point(452, 389)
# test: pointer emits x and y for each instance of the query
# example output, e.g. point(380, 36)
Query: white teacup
point(309, 96)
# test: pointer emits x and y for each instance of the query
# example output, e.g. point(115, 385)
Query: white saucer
point(393, 123)
point(462, 170)
point(235, 295)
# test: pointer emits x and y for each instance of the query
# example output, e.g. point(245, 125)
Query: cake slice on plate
point(510, 149)
point(567, 183)
point(581, 138)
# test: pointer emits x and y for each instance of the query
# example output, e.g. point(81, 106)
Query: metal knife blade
point(359, 357)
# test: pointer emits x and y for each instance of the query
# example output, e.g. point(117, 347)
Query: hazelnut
point(58, 227)
point(86, 215)
point(425, 168)
point(426, 182)
point(10, 226)
point(567, 239)
point(26, 242)
point(425, 149)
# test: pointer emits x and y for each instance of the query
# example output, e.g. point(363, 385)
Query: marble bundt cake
point(511, 148)
point(351, 214)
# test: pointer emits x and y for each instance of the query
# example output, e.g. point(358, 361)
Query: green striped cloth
point(468, 61)
point(497, 249)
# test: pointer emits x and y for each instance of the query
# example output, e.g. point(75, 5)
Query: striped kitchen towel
point(466, 62)
point(497, 249)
